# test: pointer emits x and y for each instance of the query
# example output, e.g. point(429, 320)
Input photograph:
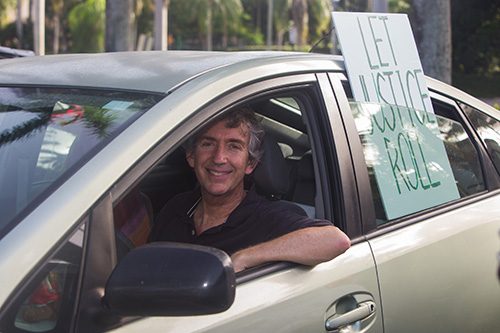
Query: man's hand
point(309, 246)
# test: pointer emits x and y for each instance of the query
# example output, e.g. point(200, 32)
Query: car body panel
point(449, 260)
point(289, 304)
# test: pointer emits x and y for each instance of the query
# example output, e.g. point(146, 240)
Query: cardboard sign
point(401, 143)
point(381, 59)
point(409, 159)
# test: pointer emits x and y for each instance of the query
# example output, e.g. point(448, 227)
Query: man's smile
point(218, 173)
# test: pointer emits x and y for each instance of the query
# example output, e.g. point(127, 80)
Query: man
point(222, 213)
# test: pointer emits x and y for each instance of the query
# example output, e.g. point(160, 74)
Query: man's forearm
point(309, 246)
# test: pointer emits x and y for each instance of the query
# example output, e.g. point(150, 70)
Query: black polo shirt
point(254, 221)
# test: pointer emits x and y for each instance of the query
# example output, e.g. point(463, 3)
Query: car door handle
point(364, 310)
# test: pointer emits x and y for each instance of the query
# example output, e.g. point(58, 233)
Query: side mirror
point(171, 279)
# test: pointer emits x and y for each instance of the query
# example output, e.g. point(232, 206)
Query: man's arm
point(309, 246)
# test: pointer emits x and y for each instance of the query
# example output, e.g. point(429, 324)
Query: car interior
point(285, 174)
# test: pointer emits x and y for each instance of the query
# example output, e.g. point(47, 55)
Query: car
point(7, 53)
point(91, 150)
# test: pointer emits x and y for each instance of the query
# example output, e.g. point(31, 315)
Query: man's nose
point(220, 154)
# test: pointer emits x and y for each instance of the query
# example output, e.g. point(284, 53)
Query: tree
point(230, 10)
point(119, 25)
point(281, 19)
point(432, 30)
point(87, 26)
point(39, 28)
point(4, 5)
point(161, 24)
point(57, 6)
point(300, 19)
point(476, 46)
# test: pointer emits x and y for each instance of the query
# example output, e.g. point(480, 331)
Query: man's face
point(220, 159)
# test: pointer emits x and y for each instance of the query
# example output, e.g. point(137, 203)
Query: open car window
point(284, 124)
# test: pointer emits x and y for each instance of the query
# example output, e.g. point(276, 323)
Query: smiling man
point(225, 212)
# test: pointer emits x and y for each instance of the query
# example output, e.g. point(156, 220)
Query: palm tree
point(281, 19)
point(432, 30)
point(229, 9)
point(57, 5)
point(87, 26)
point(300, 15)
point(119, 25)
point(161, 24)
point(300, 19)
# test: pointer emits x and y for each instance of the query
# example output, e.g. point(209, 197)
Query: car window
point(281, 117)
point(45, 133)
point(416, 160)
point(46, 302)
point(488, 129)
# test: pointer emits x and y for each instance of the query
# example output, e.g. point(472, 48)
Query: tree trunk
point(299, 14)
point(161, 24)
point(19, 24)
point(39, 28)
point(119, 25)
point(379, 6)
point(432, 29)
point(57, 27)
point(209, 25)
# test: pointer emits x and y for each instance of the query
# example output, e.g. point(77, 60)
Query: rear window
point(47, 133)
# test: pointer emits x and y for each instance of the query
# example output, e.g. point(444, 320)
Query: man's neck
point(214, 210)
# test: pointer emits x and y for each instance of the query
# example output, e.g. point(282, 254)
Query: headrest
point(305, 168)
point(271, 174)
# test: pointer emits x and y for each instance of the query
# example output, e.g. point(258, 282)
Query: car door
point(435, 254)
point(300, 111)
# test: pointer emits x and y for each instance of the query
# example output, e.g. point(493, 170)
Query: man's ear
point(190, 158)
point(251, 166)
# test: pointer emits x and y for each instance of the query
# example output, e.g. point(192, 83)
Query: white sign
point(381, 59)
point(400, 133)
point(404, 147)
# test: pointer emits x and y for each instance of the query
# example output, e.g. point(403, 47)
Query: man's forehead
point(223, 128)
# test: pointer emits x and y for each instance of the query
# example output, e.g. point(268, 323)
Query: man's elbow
point(338, 244)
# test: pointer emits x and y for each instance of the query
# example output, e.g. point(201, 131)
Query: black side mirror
point(171, 279)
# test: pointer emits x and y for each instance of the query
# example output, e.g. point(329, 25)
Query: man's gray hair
point(233, 119)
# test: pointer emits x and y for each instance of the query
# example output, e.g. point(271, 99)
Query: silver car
point(90, 151)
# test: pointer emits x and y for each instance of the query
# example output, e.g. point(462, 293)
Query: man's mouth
point(218, 173)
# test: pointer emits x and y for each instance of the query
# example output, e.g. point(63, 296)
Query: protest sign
point(400, 133)
point(382, 60)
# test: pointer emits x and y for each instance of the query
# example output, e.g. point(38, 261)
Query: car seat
point(271, 175)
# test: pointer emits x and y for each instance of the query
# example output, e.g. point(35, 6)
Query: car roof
point(156, 71)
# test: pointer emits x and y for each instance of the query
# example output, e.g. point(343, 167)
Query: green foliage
point(98, 120)
point(87, 26)
point(475, 27)
point(319, 19)
point(4, 5)
point(400, 6)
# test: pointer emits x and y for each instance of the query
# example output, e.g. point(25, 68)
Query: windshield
point(46, 133)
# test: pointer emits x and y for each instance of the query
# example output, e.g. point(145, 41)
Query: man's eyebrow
point(232, 140)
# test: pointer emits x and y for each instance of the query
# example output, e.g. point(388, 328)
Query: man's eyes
point(235, 147)
point(229, 147)
point(206, 144)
